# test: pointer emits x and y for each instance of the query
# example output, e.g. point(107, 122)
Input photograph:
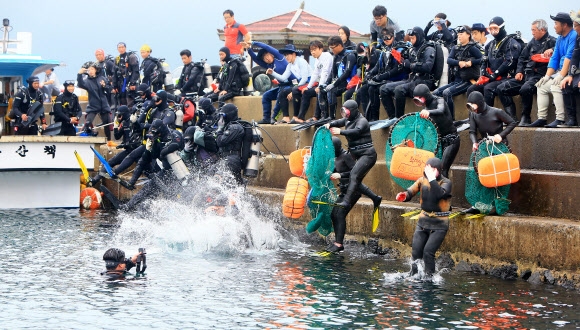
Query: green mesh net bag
point(323, 193)
point(482, 198)
point(412, 130)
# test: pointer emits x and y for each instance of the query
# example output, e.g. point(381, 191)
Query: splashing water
point(187, 222)
point(420, 276)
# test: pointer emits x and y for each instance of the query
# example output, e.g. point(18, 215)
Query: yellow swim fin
point(454, 214)
point(476, 216)
point(82, 166)
point(376, 219)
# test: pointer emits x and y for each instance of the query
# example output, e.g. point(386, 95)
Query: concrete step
point(536, 148)
point(538, 193)
point(528, 241)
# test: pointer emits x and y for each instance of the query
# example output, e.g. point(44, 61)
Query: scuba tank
point(179, 118)
point(248, 90)
point(207, 74)
point(253, 164)
point(178, 166)
point(168, 81)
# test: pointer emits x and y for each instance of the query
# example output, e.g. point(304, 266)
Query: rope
point(273, 141)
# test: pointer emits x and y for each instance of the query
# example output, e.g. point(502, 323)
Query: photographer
point(117, 265)
point(97, 87)
point(67, 109)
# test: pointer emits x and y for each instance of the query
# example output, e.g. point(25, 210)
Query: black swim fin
point(116, 203)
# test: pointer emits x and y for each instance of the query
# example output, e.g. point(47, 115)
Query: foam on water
point(185, 224)
point(397, 277)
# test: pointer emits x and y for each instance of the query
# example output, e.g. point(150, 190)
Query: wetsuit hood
point(123, 112)
point(230, 112)
point(337, 146)
point(477, 98)
point(226, 51)
point(435, 163)
point(207, 105)
point(501, 23)
point(422, 91)
point(162, 95)
point(418, 32)
point(352, 107)
point(189, 133)
point(158, 129)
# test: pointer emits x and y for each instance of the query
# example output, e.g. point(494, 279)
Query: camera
point(141, 261)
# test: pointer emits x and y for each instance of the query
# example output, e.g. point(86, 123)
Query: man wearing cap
point(108, 71)
point(500, 59)
point(479, 34)
point(298, 67)
point(532, 65)
point(272, 60)
point(381, 21)
point(571, 84)
point(558, 68)
point(127, 77)
point(24, 100)
point(148, 67)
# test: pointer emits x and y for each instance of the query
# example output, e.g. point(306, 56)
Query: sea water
point(247, 271)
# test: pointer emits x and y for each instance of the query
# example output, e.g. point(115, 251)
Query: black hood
point(422, 90)
point(189, 133)
point(500, 22)
point(158, 129)
point(477, 98)
point(124, 112)
point(337, 146)
point(226, 51)
point(230, 111)
point(352, 106)
point(418, 32)
point(206, 105)
point(435, 163)
point(162, 95)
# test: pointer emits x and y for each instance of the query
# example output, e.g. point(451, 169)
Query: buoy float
point(295, 198)
point(298, 159)
point(90, 199)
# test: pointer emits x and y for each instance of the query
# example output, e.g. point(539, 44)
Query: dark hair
point(346, 31)
point(379, 11)
point(388, 30)
point(228, 11)
point(464, 28)
point(443, 16)
point(316, 44)
point(185, 52)
point(335, 41)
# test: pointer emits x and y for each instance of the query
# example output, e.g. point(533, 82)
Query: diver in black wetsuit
point(343, 164)
point(229, 138)
point(360, 145)
point(488, 121)
point(436, 108)
point(117, 265)
point(433, 221)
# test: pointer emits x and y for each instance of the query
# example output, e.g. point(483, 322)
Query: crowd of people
point(393, 66)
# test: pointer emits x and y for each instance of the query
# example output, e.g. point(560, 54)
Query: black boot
point(525, 121)
point(538, 123)
point(511, 110)
point(571, 113)
point(370, 194)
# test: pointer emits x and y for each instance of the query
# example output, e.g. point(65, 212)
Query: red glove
point(401, 196)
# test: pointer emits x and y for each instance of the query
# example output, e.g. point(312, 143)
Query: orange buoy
point(295, 198)
point(90, 199)
point(297, 160)
point(409, 163)
point(499, 170)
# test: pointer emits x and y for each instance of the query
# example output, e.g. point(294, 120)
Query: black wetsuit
point(343, 69)
point(191, 78)
point(502, 57)
point(229, 79)
point(22, 102)
point(65, 107)
point(107, 70)
point(229, 139)
point(360, 144)
point(439, 112)
point(532, 71)
point(343, 164)
point(113, 276)
point(488, 121)
point(446, 35)
point(419, 64)
point(127, 65)
point(433, 220)
point(148, 67)
point(98, 89)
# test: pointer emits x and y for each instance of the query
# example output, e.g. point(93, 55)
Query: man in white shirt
point(297, 66)
point(51, 86)
point(322, 70)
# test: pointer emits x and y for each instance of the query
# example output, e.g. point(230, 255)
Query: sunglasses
point(387, 37)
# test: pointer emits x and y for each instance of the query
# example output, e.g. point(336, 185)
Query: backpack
point(158, 74)
point(244, 73)
point(203, 80)
point(438, 63)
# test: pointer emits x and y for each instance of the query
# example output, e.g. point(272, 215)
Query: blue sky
point(71, 30)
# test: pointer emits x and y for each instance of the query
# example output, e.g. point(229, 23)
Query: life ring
point(91, 199)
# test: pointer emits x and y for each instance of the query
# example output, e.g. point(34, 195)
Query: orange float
point(91, 199)
point(498, 170)
point(295, 198)
point(408, 163)
point(297, 162)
